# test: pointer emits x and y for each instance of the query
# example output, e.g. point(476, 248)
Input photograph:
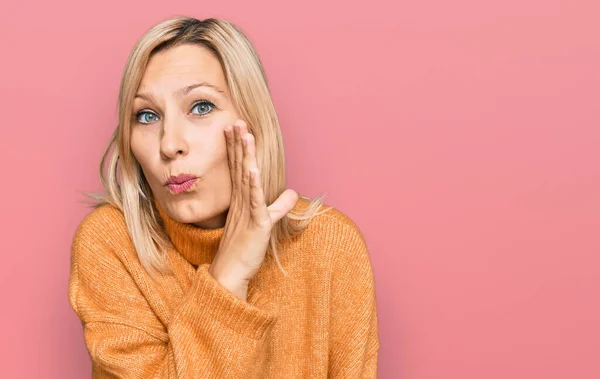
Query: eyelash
point(199, 102)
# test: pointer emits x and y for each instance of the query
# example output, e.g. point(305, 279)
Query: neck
point(196, 244)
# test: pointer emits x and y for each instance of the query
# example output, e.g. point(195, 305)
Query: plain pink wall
point(461, 136)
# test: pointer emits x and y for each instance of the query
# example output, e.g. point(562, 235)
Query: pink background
point(461, 136)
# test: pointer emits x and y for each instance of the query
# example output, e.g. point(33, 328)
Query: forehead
point(182, 65)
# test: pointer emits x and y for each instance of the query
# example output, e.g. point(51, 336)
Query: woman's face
point(178, 129)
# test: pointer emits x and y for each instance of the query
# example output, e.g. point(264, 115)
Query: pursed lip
point(179, 179)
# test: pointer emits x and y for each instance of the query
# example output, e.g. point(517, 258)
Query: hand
point(249, 221)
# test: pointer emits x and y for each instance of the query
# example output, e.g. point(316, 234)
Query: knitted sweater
point(320, 322)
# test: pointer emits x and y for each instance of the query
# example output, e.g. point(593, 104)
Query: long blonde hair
point(124, 182)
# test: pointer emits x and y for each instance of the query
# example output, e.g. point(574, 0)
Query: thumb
point(283, 205)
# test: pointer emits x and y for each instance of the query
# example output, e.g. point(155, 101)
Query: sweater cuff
point(210, 298)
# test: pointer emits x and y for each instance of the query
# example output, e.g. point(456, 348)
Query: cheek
point(223, 175)
point(141, 155)
point(219, 150)
point(142, 151)
point(223, 185)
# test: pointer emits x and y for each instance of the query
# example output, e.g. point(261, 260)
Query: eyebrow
point(183, 91)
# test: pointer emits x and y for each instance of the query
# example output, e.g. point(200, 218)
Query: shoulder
point(99, 238)
point(103, 224)
point(334, 230)
point(338, 239)
point(104, 273)
point(328, 215)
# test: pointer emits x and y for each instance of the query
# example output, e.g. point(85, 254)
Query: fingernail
point(244, 141)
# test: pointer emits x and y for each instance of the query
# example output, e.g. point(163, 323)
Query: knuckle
point(263, 225)
point(253, 203)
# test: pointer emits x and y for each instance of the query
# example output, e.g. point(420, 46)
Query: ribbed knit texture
point(321, 322)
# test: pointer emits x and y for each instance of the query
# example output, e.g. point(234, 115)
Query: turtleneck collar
point(195, 244)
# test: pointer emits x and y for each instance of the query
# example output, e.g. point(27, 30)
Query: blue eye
point(140, 115)
point(148, 117)
point(204, 105)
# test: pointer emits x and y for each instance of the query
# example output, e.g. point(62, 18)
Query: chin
point(193, 211)
point(187, 211)
point(192, 208)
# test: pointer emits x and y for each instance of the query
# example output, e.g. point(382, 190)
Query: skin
point(178, 135)
point(173, 134)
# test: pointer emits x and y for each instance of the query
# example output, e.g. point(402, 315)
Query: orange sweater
point(321, 322)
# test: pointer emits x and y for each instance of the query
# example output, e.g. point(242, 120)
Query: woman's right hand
point(249, 221)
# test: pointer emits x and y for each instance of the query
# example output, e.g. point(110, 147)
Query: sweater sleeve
point(211, 332)
point(354, 340)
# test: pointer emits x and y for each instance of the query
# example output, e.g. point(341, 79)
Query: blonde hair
point(124, 182)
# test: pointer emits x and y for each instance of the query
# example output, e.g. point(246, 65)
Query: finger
point(248, 163)
point(237, 161)
point(230, 141)
point(258, 208)
point(240, 156)
point(283, 205)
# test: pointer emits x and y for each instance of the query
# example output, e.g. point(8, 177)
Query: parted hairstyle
point(121, 175)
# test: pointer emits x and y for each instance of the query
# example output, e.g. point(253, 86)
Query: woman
point(198, 263)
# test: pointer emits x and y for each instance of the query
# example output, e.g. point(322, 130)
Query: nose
point(173, 141)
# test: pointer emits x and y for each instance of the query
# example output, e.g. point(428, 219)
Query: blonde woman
point(198, 262)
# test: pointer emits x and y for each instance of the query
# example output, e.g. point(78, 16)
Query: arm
point(354, 337)
point(211, 332)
